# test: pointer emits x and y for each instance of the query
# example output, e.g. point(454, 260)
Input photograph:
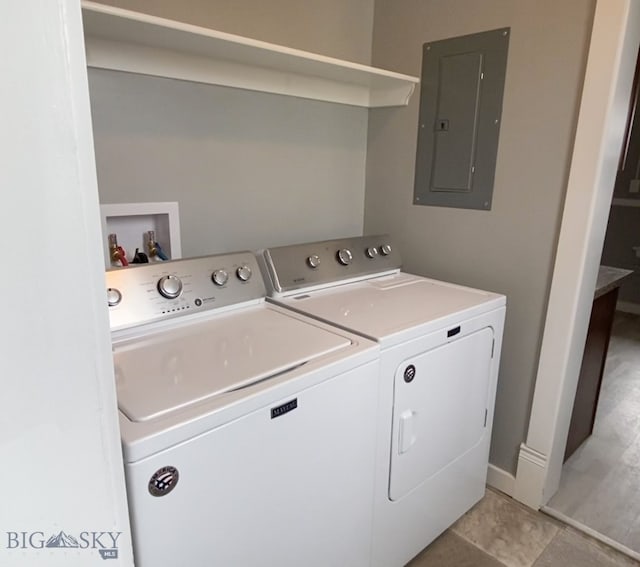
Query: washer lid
point(384, 306)
point(169, 370)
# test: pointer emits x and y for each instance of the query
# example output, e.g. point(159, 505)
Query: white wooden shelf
point(128, 41)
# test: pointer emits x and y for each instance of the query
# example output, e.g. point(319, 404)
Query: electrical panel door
point(460, 113)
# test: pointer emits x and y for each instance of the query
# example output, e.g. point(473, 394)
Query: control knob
point(371, 252)
point(113, 296)
point(313, 261)
point(170, 286)
point(385, 249)
point(220, 277)
point(243, 273)
point(344, 256)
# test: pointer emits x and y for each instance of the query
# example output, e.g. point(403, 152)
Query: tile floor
point(500, 532)
point(600, 485)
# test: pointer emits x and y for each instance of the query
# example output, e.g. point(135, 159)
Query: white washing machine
point(440, 350)
point(248, 430)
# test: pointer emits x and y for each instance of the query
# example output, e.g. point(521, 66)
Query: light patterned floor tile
point(511, 533)
point(450, 550)
point(569, 549)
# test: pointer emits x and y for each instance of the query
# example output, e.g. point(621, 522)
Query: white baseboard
point(530, 478)
point(628, 307)
point(501, 480)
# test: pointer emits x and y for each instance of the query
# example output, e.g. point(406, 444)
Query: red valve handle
point(123, 256)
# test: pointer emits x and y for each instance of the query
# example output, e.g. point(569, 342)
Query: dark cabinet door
point(590, 380)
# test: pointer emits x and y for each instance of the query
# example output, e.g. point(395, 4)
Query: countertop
point(610, 278)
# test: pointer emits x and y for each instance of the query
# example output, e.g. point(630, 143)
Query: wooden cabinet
point(591, 371)
point(594, 358)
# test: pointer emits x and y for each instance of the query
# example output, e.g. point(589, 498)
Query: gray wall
point(623, 229)
point(248, 169)
point(331, 27)
point(623, 233)
point(511, 248)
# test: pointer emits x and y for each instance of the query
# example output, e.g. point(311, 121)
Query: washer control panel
point(144, 293)
point(316, 263)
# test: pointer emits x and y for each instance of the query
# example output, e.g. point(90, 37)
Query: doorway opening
point(600, 482)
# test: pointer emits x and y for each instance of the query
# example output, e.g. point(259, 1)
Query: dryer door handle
point(406, 435)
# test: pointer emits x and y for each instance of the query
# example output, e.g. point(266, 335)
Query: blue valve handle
point(160, 253)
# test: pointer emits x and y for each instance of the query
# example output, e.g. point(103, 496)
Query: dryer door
point(440, 406)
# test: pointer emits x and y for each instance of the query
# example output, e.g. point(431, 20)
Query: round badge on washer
point(163, 481)
point(409, 373)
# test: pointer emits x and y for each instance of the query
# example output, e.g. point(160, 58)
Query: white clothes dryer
point(440, 350)
point(247, 429)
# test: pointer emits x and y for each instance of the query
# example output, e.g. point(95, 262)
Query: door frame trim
point(600, 130)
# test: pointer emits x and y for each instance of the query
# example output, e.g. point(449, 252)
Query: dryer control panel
point(146, 293)
point(317, 263)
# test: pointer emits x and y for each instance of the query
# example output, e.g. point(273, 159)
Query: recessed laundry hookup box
point(131, 223)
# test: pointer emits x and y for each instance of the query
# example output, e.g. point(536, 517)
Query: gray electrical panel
point(460, 114)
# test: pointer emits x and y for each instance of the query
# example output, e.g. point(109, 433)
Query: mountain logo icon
point(62, 540)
